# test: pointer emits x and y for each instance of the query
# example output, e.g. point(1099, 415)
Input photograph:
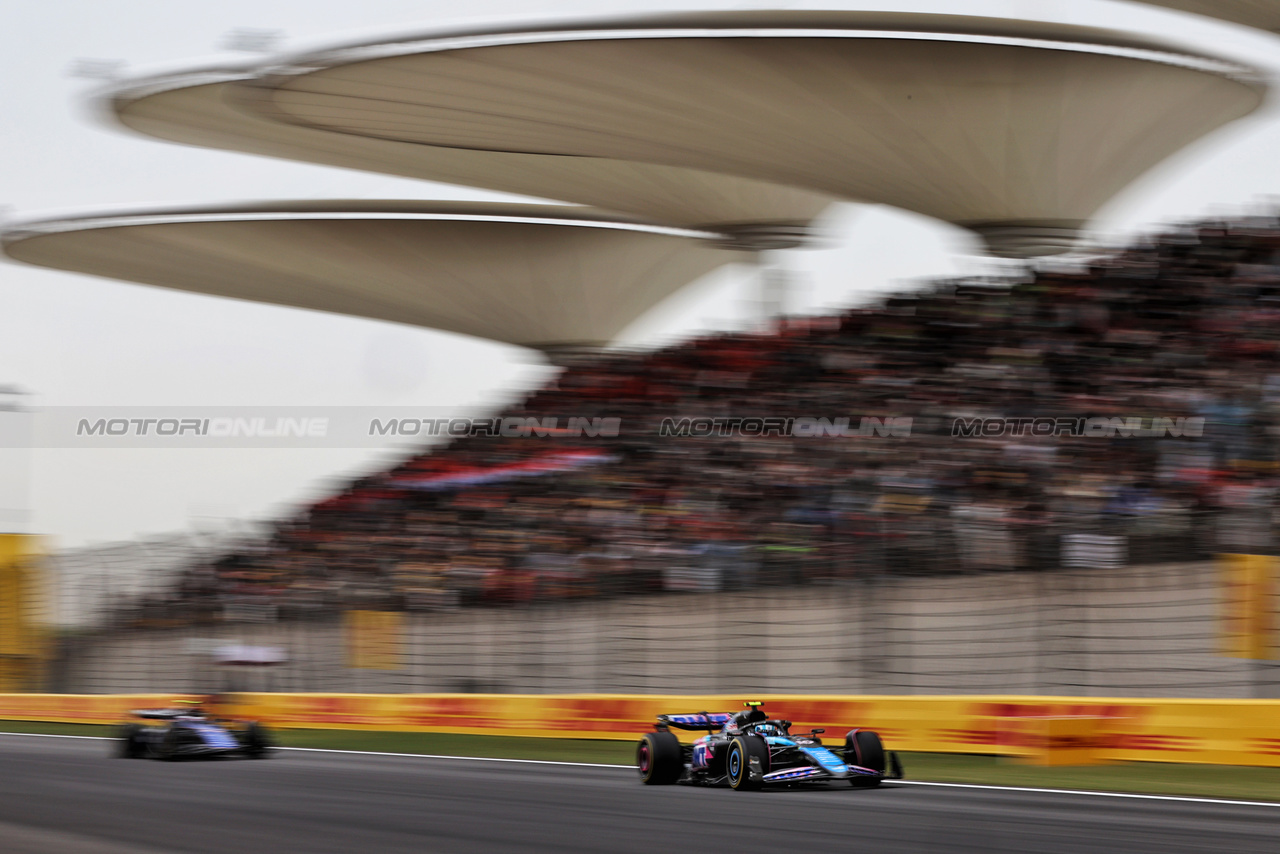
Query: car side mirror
point(817, 730)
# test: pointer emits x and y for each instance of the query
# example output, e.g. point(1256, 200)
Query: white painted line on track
point(462, 758)
point(1185, 799)
point(50, 735)
point(362, 752)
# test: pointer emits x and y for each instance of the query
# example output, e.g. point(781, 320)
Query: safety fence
point(1226, 732)
point(103, 585)
point(201, 580)
point(1154, 631)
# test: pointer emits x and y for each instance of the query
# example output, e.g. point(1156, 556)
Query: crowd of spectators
point(1183, 325)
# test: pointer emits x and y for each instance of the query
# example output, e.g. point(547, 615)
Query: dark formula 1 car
point(749, 749)
point(188, 733)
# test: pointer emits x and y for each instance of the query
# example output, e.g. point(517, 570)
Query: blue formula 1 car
point(190, 733)
point(748, 750)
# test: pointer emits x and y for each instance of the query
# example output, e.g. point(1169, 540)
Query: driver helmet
point(767, 729)
point(190, 708)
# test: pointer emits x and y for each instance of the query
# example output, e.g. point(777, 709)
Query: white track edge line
point(53, 735)
point(1088, 792)
point(358, 752)
point(462, 758)
point(1186, 799)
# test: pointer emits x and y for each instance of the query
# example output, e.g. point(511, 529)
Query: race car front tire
point(659, 759)
point(256, 741)
point(130, 745)
point(863, 748)
point(737, 764)
point(172, 742)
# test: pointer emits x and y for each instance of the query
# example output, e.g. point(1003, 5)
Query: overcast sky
point(79, 341)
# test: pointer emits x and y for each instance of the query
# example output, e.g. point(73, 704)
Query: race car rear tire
point(737, 763)
point(256, 741)
point(659, 759)
point(863, 748)
point(130, 743)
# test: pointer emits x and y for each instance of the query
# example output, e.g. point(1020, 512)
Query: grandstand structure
point(91, 587)
point(694, 137)
point(201, 107)
point(890, 108)
point(742, 125)
point(541, 276)
point(1260, 14)
point(921, 562)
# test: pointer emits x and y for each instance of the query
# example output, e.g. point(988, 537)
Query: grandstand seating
point(1181, 324)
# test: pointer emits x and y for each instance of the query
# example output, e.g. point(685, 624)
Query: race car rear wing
point(709, 720)
point(700, 721)
point(159, 714)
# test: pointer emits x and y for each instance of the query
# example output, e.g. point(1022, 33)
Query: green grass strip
point(1150, 778)
point(450, 744)
point(42, 728)
point(1155, 778)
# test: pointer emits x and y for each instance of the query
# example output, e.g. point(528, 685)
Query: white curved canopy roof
point(195, 109)
point(540, 276)
point(1018, 130)
point(1263, 14)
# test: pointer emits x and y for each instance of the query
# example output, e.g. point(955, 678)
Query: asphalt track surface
point(68, 795)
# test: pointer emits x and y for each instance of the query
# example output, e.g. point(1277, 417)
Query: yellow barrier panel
point(1069, 740)
point(20, 640)
point(78, 708)
point(374, 639)
point(1226, 732)
point(1248, 585)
